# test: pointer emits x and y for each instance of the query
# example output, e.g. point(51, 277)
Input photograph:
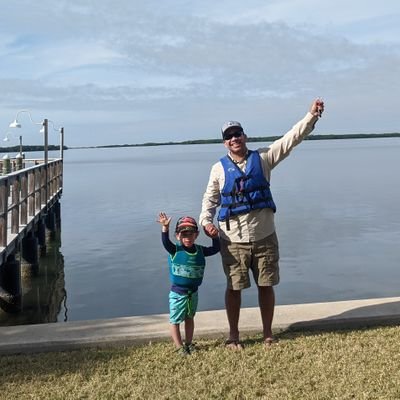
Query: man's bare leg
point(233, 300)
point(266, 301)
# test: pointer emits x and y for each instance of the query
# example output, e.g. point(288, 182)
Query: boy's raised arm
point(164, 220)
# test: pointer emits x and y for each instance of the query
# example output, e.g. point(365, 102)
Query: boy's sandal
point(191, 348)
point(233, 345)
point(182, 351)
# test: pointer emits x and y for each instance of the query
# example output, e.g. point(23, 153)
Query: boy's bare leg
point(176, 335)
point(189, 329)
point(233, 300)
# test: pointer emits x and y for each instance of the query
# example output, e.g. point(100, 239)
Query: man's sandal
point(268, 342)
point(233, 345)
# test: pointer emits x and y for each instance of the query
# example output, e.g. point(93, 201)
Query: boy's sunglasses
point(229, 136)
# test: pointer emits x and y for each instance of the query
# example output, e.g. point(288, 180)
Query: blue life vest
point(246, 190)
point(187, 269)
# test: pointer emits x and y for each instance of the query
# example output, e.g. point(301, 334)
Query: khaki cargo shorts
point(261, 257)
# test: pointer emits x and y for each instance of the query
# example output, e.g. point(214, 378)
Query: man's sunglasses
point(229, 136)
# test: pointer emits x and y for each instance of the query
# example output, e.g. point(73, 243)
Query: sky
point(129, 71)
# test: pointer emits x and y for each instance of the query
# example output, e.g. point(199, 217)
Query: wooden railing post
point(43, 184)
point(24, 198)
point(3, 212)
point(38, 194)
point(31, 192)
point(15, 196)
point(52, 180)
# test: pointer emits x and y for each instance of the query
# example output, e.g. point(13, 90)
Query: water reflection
point(44, 298)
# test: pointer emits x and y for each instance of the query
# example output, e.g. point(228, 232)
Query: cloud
point(158, 66)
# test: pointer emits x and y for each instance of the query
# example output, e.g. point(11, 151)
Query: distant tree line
point(27, 148)
point(260, 139)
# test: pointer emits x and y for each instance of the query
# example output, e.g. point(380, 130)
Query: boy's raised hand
point(164, 220)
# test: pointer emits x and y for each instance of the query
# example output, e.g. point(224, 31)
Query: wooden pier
point(30, 192)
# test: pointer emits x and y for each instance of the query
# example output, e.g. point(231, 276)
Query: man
point(239, 185)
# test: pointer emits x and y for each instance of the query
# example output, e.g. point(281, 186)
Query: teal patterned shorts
point(182, 306)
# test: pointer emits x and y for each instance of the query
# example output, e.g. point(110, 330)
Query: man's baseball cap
point(230, 125)
point(186, 224)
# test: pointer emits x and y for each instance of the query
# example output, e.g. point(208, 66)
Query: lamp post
point(19, 158)
point(62, 143)
point(46, 141)
point(44, 123)
point(7, 139)
point(61, 130)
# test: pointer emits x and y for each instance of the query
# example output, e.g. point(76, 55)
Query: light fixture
point(15, 124)
point(7, 137)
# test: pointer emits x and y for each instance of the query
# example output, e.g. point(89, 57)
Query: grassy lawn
point(357, 364)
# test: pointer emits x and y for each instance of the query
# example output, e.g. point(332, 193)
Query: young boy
point(186, 269)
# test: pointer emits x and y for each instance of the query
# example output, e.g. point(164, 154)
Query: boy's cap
point(230, 124)
point(186, 224)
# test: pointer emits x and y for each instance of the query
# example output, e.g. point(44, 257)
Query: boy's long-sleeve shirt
point(207, 251)
point(181, 283)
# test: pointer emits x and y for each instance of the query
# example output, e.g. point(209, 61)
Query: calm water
point(337, 221)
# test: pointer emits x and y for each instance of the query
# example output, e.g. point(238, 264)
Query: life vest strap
point(245, 203)
point(235, 192)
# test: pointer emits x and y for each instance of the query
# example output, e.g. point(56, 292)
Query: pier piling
point(30, 255)
point(10, 280)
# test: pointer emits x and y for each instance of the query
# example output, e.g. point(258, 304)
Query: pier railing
point(25, 197)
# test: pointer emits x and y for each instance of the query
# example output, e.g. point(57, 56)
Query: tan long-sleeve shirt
point(257, 224)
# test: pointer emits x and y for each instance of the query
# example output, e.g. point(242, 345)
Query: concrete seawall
point(144, 329)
